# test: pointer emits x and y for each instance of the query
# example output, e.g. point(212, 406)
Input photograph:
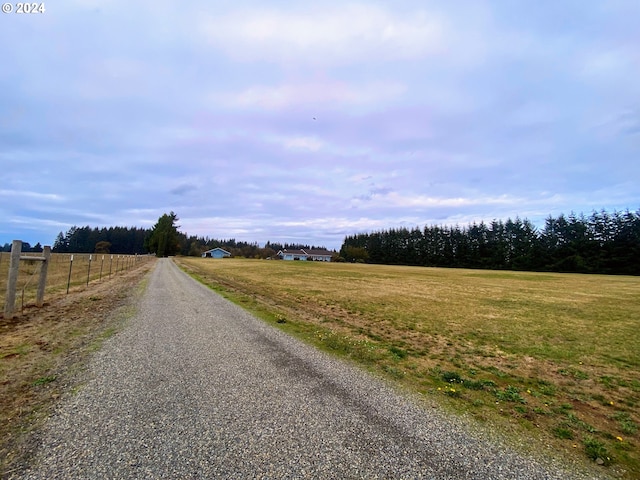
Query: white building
point(313, 255)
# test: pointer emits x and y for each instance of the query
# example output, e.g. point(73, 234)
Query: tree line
point(603, 242)
point(163, 239)
point(120, 240)
point(26, 247)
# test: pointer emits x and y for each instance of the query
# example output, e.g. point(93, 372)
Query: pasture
point(550, 358)
point(61, 272)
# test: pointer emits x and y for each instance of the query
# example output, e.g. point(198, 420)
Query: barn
point(216, 253)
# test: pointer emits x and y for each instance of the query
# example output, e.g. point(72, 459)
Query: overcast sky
point(308, 121)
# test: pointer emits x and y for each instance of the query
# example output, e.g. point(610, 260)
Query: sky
point(304, 122)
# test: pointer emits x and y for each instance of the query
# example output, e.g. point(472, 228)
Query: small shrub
point(510, 394)
point(451, 377)
point(562, 431)
point(474, 385)
point(596, 451)
point(627, 425)
point(398, 352)
point(479, 384)
point(546, 388)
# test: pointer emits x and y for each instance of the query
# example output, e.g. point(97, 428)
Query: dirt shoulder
point(43, 352)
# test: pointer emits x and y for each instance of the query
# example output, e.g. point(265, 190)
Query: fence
point(61, 273)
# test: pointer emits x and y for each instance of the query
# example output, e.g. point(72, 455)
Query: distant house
point(312, 255)
point(216, 253)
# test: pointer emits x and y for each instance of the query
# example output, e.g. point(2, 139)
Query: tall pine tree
point(164, 239)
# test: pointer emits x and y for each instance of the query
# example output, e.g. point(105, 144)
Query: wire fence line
point(64, 272)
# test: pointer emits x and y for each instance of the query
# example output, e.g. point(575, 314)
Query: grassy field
point(553, 358)
point(102, 266)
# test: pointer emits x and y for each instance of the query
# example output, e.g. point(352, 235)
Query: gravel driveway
point(195, 387)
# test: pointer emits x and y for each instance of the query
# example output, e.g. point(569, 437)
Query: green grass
point(44, 380)
point(556, 353)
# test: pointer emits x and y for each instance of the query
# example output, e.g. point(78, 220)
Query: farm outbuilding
point(216, 253)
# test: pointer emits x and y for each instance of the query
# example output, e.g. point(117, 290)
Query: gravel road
point(195, 387)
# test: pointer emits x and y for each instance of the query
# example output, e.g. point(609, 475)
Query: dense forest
point(121, 240)
point(125, 240)
point(601, 243)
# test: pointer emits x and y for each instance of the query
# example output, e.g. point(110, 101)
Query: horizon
point(261, 244)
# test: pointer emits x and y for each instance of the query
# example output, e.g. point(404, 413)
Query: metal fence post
point(70, 266)
point(89, 270)
point(12, 279)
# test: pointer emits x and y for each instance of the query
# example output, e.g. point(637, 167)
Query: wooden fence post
point(12, 280)
point(42, 283)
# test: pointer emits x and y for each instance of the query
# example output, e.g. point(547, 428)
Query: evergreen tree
point(602, 243)
point(163, 240)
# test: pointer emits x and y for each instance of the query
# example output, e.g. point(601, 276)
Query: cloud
point(386, 198)
point(303, 143)
point(335, 34)
point(183, 189)
point(620, 125)
point(332, 94)
point(309, 120)
point(14, 195)
point(374, 192)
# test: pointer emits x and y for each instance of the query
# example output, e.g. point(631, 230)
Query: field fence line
point(56, 272)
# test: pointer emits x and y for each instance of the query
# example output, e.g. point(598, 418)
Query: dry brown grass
point(103, 266)
point(552, 356)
